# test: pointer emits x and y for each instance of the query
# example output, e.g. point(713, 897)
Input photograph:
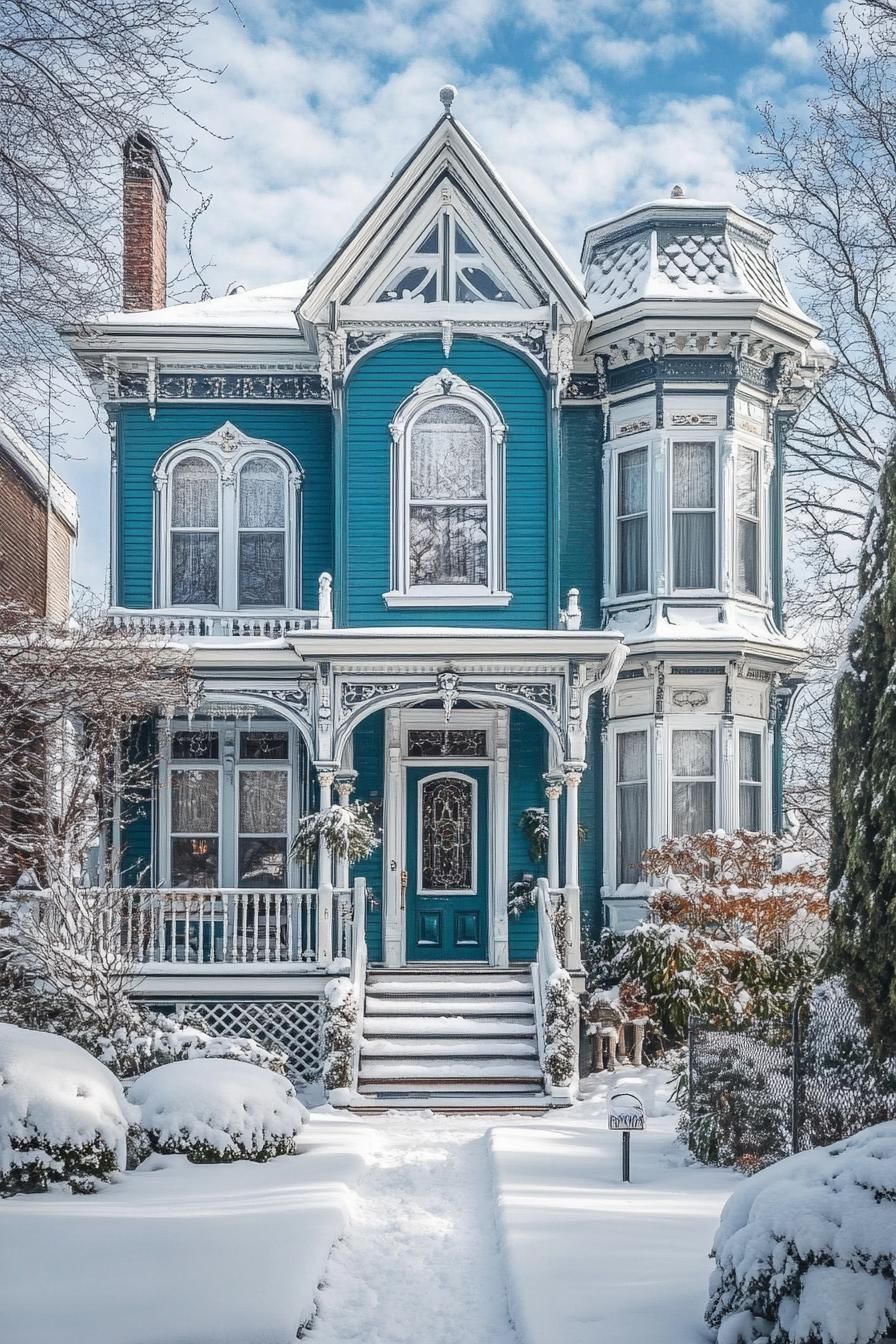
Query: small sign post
point(625, 1112)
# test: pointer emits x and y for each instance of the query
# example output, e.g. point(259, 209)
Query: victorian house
point(460, 532)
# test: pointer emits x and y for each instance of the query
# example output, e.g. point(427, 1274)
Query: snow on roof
point(649, 624)
point(269, 306)
point(33, 466)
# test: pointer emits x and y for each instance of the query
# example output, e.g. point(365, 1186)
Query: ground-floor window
point(229, 794)
point(631, 804)
point(693, 780)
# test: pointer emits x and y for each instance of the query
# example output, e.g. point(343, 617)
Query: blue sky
point(585, 108)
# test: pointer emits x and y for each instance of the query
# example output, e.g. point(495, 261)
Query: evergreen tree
point(863, 783)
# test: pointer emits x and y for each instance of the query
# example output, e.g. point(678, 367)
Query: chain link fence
point(759, 1093)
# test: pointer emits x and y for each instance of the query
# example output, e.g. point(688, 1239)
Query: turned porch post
point(325, 777)
point(345, 782)
point(572, 776)
point(553, 791)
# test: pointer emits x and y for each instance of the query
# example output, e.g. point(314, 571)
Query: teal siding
point(304, 431)
point(374, 393)
point(581, 545)
point(528, 762)
point(137, 818)
point(368, 744)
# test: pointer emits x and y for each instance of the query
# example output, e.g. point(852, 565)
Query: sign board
point(625, 1112)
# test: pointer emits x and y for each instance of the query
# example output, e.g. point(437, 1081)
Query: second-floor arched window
point(228, 525)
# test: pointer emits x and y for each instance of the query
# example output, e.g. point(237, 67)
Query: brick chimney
point(147, 187)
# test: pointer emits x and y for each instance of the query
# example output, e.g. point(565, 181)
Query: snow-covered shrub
point(349, 832)
point(218, 1110)
point(63, 1115)
point(340, 1029)
point(157, 1039)
point(805, 1249)
point(561, 1019)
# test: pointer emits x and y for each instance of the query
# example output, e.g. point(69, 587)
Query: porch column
point(345, 783)
point(553, 791)
point(326, 773)
point(572, 777)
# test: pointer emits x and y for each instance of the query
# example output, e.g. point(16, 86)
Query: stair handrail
point(359, 968)
point(556, 1005)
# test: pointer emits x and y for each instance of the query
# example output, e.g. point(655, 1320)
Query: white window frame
point(620, 729)
point(758, 728)
point(756, 519)
point(178, 766)
point(699, 722)
point(229, 767)
point(633, 445)
point(682, 436)
point(267, 766)
point(441, 389)
point(228, 450)
point(217, 530)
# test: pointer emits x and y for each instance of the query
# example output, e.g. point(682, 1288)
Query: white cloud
point(796, 50)
point(748, 18)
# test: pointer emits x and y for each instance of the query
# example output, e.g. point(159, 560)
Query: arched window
point(447, 526)
point(261, 551)
point(228, 525)
point(195, 544)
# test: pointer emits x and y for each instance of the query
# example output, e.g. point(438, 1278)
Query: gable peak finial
point(677, 193)
point(447, 95)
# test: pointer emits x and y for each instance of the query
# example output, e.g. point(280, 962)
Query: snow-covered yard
point(515, 1231)
point(588, 1258)
point(181, 1253)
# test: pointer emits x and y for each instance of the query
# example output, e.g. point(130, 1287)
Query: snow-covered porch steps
point(450, 1040)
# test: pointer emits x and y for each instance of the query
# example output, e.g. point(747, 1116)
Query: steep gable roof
point(489, 251)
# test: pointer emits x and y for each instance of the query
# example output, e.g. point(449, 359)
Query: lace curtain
point(263, 803)
point(448, 455)
point(632, 514)
point(631, 805)
point(750, 758)
point(262, 494)
point(194, 802)
point(693, 531)
point(693, 781)
point(747, 521)
point(194, 494)
point(448, 542)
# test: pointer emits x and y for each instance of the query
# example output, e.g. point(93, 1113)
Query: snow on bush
point(218, 1110)
point(349, 832)
point(805, 1250)
point(561, 1019)
point(157, 1039)
point(63, 1115)
point(340, 1028)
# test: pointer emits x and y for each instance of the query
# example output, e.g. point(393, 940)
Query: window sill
point(446, 597)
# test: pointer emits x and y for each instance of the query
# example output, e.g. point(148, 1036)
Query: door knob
point(404, 884)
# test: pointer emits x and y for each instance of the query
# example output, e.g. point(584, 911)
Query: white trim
point(641, 724)
point(446, 388)
point(228, 450)
point(759, 728)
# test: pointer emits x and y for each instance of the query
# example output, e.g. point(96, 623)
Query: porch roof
point(424, 643)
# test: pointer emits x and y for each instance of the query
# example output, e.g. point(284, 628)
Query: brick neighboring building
point(38, 530)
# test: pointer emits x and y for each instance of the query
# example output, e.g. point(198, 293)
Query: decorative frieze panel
point(430, 742)
point(541, 693)
point(221, 387)
point(693, 420)
point(355, 693)
point(639, 426)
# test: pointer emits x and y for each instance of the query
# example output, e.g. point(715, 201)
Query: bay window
point(749, 755)
point(693, 781)
point(631, 804)
point(693, 515)
point(631, 525)
point(747, 488)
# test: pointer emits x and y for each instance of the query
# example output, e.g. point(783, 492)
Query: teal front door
point(446, 899)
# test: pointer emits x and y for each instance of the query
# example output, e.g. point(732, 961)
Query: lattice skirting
point(292, 1026)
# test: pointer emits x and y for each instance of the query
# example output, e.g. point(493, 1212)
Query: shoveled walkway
point(421, 1260)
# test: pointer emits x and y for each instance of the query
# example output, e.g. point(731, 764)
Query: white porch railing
point(556, 1005)
point(211, 625)
point(233, 926)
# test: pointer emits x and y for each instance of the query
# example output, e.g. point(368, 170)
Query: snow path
point(421, 1260)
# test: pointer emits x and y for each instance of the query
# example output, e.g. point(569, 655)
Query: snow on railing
point(556, 1005)
point(211, 625)
point(344, 1013)
point(209, 927)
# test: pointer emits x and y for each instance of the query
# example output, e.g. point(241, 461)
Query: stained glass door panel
point(446, 899)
